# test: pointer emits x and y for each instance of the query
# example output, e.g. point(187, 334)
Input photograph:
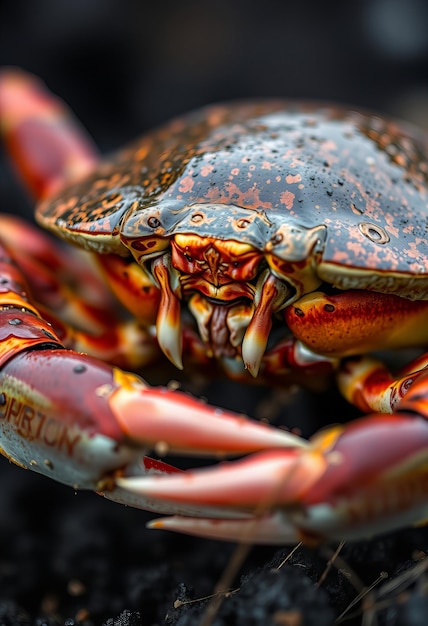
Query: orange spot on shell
point(340, 257)
point(356, 248)
point(413, 250)
point(293, 179)
point(186, 184)
point(287, 198)
point(207, 169)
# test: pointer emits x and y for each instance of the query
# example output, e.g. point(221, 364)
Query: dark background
point(125, 66)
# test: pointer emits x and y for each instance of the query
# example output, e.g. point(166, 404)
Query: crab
point(271, 241)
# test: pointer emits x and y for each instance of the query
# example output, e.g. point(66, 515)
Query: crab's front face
point(219, 281)
point(232, 289)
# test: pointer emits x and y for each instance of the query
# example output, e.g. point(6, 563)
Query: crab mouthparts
point(229, 329)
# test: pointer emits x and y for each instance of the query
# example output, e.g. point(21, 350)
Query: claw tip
point(155, 524)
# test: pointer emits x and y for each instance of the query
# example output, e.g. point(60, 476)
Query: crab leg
point(357, 322)
point(369, 385)
point(81, 312)
point(51, 271)
point(31, 120)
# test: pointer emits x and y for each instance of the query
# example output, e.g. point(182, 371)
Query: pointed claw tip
point(174, 356)
point(179, 364)
point(172, 351)
point(252, 354)
point(176, 361)
point(155, 524)
point(253, 368)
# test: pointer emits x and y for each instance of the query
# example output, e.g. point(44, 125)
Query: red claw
point(272, 528)
point(344, 485)
point(172, 421)
point(267, 479)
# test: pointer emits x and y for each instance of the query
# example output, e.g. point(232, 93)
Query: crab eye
point(197, 217)
point(153, 222)
point(373, 232)
point(236, 264)
point(188, 257)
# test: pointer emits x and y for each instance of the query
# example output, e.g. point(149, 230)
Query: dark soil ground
point(69, 558)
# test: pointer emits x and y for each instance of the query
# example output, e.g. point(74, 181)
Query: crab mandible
point(211, 230)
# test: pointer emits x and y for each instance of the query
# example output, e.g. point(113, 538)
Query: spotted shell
point(348, 188)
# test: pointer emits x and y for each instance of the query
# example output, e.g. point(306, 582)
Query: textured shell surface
point(265, 173)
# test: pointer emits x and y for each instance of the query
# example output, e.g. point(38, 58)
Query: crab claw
point(244, 493)
point(273, 528)
point(171, 421)
point(343, 486)
point(268, 477)
point(90, 438)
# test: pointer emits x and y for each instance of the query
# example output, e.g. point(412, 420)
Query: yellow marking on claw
point(127, 381)
point(324, 442)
